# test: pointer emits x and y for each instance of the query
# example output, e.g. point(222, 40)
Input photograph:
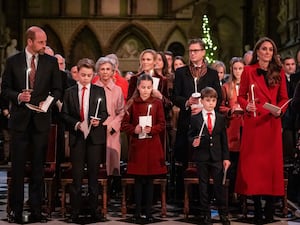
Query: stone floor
point(174, 214)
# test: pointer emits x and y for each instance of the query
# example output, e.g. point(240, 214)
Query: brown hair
point(273, 76)
point(208, 92)
point(87, 63)
point(197, 41)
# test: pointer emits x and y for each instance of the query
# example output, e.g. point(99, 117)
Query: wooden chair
point(49, 173)
point(191, 177)
point(66, 179)
point(160, 180)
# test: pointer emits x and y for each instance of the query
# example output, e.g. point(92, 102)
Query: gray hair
point(103, 60)
point(114, 58)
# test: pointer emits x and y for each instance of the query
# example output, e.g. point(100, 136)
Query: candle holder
point(95, 118)
point(27, 90)
point(196, 95)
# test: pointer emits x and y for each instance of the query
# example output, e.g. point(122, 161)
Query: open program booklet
point(44, 107)
point(273, 108)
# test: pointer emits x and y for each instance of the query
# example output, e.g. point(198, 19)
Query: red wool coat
point(235, 121)
point(145, 156)
point(260, 170)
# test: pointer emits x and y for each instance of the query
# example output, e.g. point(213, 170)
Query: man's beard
point(41, 51)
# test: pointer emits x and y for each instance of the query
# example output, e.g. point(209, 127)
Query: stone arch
point(85, 44)
point(175, 41)
point(128, 43)
point(53, 40)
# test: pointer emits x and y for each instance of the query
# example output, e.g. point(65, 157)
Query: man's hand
point(25, 96)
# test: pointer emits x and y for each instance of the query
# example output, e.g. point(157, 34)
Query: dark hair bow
point(261, 72)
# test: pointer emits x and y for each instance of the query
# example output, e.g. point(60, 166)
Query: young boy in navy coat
point(210, 152)
point(84, 110)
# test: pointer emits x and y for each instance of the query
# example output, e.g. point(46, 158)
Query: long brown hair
point(273, 76)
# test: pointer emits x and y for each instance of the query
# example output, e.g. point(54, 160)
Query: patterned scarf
point(198, 71)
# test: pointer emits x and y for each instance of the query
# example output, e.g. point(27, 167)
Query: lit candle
point(253, 98)
point(27, 78)
point(195, 81)
point(148, 111)
point(97, 109)
point(237, 89)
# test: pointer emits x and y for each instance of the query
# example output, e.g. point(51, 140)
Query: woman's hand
point(251, 107)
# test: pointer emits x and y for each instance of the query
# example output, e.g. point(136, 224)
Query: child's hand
point(196, 142)
point(147, 129)
point(138, 129)
point(226, 164)
point(95, 122)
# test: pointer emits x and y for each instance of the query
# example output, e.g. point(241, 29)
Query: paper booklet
point(44, 107)
point(273, 108)
point(155, 82)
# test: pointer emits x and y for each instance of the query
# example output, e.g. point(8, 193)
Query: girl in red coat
point(234, 114)
point(143, 123)
point(260, 171)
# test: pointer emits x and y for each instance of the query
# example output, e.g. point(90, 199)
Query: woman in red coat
point(260, 171)
point(143, 123)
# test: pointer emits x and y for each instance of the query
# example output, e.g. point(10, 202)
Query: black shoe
point(74, 218)
point(225, 220)
point(15, 218)
point(135, 219)
point(205, 220)
point(97, 217)
point(258, 221)
point(37, 218)
point(149, 219)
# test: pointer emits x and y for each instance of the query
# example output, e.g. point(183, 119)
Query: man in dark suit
point(184, 87)
point(29, 128)
point(81, 103)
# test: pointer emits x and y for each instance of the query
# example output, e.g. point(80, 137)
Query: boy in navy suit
point(84, 110)
point(210, 152)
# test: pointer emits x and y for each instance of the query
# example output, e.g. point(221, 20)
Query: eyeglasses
point(195, 50)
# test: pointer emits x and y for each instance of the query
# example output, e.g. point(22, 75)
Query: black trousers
point(85, 152)
point(207, 170)
point(29, 145)
point(143, 186)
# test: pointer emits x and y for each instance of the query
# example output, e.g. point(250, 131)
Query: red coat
point(260, 170)
point(145, 156)
point(235, 121)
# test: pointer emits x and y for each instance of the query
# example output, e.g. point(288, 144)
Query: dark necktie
point(82, 104)
point(32, 71)
point(209, 123)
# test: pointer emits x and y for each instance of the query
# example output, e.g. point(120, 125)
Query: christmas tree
point(209, 45)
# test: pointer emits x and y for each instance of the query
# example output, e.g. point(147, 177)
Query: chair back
point(52, 146)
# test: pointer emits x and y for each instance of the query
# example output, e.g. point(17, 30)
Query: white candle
point(201, 130)
point(27, 78)
point(237, 89)
point(97, 109)
point(195, 81)
point(253, 98)
point(148, 111)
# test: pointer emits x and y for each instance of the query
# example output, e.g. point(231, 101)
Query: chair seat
point(190, 172)
point(67, 174)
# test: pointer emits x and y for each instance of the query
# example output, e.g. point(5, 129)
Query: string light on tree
point(210, 48)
